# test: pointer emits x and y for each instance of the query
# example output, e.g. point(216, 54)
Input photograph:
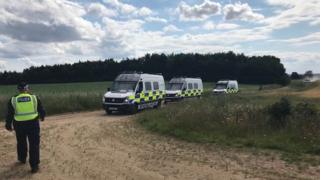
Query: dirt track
point(95, 146)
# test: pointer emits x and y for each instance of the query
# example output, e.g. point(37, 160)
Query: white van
point(179, 88)
point(226, 86)
point(131, 92)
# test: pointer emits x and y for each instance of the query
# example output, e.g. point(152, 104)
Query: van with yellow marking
point(131, 92)
point(179, 88)
point(226, 87)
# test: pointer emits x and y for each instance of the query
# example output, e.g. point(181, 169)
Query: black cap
point(22, 86)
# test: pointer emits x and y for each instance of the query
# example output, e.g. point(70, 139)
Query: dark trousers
point(28, 131)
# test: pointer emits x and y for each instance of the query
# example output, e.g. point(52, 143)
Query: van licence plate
point(113, 108)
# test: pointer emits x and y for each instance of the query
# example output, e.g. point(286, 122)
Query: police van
point(179, 88)
point(134, 91)
point(226, 86)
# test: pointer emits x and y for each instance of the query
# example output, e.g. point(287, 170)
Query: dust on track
point(92, 145)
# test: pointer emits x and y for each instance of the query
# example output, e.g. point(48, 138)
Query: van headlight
point(126, 100)
point(103, 99)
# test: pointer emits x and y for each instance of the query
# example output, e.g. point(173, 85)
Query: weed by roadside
point(239, 121)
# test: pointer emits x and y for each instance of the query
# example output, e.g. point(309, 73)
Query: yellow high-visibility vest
point(25, 106)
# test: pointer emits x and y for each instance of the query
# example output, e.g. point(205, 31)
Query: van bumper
point(219, 92)
point(117, 107)
point(173, 99)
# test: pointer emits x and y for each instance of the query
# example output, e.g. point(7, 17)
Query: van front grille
point(114, 100)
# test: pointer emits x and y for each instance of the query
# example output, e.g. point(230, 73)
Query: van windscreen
point(221, 86)
point(124, 86)
point(175, 86)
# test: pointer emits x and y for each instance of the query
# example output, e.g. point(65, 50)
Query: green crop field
point(61, 98)
point(73, 97)
point(68, 97)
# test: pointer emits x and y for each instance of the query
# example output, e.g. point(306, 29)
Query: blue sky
point(34, 32)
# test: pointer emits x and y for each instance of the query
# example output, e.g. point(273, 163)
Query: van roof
point(135, 76)
point(188, 79)
point(183, 79)
point(226, 81)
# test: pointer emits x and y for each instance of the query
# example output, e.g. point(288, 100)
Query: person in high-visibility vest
point(24, 112)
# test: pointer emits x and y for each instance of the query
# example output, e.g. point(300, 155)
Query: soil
point(92, 145)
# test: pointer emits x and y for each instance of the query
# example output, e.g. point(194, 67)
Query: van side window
point(155, 86)
point(147, 85)
point(140, 87)
point(232, 85)
point(184, 87)
point(190, 86)
point(195, 85)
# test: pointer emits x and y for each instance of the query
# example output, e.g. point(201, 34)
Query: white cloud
point(156, 19)
point(2, 65)
point(45, 21)
point(209, 26)
point(60, 31)
point(227, 26)
point(121, 27)
point(100, 10)
point(222, 26)
point(128, 9)
point(297, 61)
point(284, 3)
point(228, 38)
point(171, 28)
point(198, 12)
point(119, 37)
point(123, 7)
point(293, 12)
point(315, 23)
point(313, 38)
point(144, 11)
point(241, 11)
point(50, 32)
point(29, 62)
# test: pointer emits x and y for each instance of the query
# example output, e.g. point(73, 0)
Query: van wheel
point(108, 111)
point(133, 109)
point(160, 104)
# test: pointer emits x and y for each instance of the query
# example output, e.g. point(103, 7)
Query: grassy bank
point(61, 98)
point(243, 120)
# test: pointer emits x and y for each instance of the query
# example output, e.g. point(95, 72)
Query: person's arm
point(10, 116)
point(41, 111)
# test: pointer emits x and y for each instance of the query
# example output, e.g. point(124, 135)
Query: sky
point(46, 32)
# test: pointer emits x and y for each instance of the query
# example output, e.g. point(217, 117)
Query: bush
point(279, 112)
point(305, 119)
point(284, 80)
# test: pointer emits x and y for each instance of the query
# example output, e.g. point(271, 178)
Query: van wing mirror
point(108, 89)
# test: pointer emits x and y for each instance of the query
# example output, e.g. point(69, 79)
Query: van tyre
point(133, 109)
point(108, 111)
point(160, 104)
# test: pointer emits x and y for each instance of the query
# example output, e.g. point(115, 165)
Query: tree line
point(210, 67)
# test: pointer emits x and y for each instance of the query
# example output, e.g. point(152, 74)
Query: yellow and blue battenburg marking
point(147, 96)
point(191, 93)
point(230, 91)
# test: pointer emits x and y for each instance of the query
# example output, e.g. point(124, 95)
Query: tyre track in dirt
point(92, 145)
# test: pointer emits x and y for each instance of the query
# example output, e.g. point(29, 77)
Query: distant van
point(179, 88)
point(226, 86)
point(131, 92)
